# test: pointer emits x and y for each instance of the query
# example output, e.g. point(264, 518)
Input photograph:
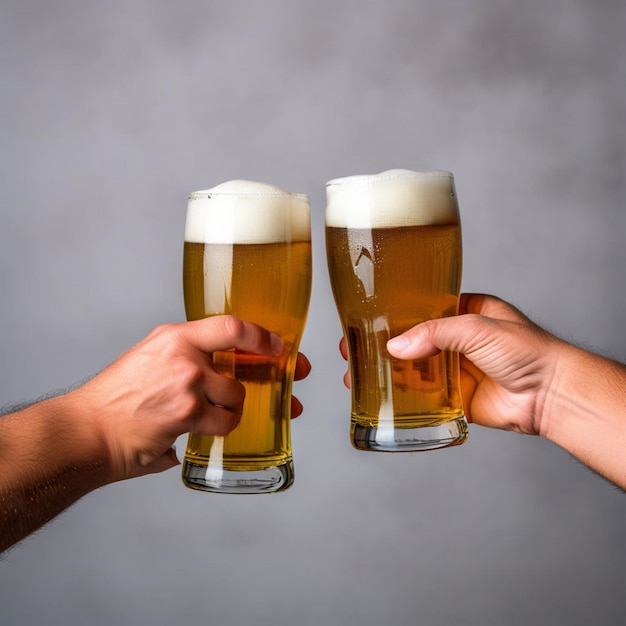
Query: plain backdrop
point(112, 112)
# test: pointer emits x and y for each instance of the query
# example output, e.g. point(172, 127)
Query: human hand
point(507, 361)
point(165, 386)
point(517, 376)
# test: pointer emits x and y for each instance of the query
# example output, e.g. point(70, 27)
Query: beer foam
point(392, 198)
point(243, 211)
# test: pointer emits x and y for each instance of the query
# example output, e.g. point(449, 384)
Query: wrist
point(585, 412)
point(51, 457)
point(79, 437)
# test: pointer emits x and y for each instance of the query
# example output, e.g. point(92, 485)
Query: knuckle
point(163, 331)
point(189, 373)
point(189, 405)
point(216, 421)
point(481, 331)
point(426, 329)
point(233, 326)
point(228, 422)
point(167, 337)
point(239, 394)
point(476, 323)
point(426, 332)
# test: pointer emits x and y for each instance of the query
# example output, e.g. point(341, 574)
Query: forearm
point(49, 458)
point(585, 412)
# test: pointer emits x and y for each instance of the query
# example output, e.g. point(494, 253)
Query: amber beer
point(393, 243)
point(248, 253)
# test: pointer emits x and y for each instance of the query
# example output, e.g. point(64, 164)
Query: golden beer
point(262, 275)
point(394, 255)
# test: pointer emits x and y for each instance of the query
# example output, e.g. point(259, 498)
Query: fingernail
point(277, 344)
point(398, 343)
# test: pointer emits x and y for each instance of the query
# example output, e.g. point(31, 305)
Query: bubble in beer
point(392, 198)
point(243, 211)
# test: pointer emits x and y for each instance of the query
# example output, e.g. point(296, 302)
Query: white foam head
point(242, 211)
point(392, 198)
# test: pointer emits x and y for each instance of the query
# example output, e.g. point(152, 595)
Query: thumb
point(511, 353)
point(226, 331)
point(461, 333)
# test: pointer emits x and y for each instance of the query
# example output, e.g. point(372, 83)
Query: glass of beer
point(393, 243)
point(248, 253)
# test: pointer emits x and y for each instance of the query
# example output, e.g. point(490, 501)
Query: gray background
point(111, 112)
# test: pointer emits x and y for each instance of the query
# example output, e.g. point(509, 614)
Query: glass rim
point(207, 194)
point(391, 175)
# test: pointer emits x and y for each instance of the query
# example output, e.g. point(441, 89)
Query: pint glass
point(248, 253)
point(393, 243)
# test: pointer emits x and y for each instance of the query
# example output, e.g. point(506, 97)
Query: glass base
point(395, 439)
point(220, 480)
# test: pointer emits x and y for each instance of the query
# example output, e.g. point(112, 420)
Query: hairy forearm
point(585, 412)
point(49, 458)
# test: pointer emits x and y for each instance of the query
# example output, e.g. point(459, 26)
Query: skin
point(123, 422)
point(517, 376)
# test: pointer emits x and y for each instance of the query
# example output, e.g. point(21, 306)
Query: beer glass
point(393, 243)
point(248, 253)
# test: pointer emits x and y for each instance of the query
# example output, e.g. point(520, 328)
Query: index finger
point(489, 306)
point(223, 332)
